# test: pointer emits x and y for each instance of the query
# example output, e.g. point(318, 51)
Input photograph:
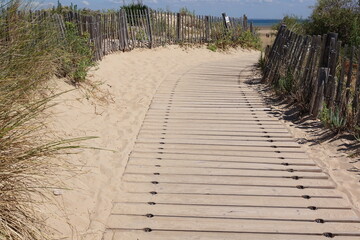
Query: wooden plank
point(186, 189)
point(222, 172)
point(230, 212)
point(184, 137)
point(230, 200)
point(229, 181)
point(176, 235)
point(178, 142)
point(222, 163)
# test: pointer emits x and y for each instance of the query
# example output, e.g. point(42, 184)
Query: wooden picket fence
point(126, 30)
point(317, 71)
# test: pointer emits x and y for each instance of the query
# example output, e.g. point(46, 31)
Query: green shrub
point(184, 11)
point(340, 16)
point(332, 119)
point(139, 6)
point(249, 40)
point(78, 54)
point(285, 84)
point(238, 38)
point(212, 47)
point(293, 23)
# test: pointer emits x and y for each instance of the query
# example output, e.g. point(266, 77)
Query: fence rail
point(318, 72)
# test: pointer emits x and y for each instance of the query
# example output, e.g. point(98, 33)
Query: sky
point(255, 9)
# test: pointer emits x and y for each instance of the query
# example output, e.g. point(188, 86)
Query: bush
point(293, 23)
point(184, 11)
point(340, 16)
point(135, 7)
point(78, 54)
point(238, 38)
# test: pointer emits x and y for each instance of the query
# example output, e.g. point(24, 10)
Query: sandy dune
point(126, 83)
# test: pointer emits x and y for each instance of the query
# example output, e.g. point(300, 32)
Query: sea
point(265, 22)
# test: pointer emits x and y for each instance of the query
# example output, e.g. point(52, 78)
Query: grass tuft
point(31, 51)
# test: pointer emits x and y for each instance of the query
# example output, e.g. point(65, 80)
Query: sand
point(267, 36)
point(112, 107)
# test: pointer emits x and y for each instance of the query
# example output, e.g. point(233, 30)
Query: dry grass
point(29, 56)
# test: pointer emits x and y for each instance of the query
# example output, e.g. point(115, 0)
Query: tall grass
point(30, 53)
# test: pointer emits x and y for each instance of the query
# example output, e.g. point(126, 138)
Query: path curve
point(210, 162)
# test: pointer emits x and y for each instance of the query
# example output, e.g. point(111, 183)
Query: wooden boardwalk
point(211, 163)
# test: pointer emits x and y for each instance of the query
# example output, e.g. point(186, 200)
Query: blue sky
point(252, 8)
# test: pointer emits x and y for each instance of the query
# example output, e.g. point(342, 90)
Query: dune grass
point(31, 52)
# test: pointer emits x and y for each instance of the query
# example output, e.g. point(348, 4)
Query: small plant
point(141, 35)
point(357, 133)
point(324, 115)
point(262, 62)
point(285, 84)
point(332, 119)
point(337, 123)
point(212, 47)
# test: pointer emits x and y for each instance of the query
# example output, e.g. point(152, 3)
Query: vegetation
point(340, 16)
point(332, 119)
point(212, 47)
point(184, 11)
point(262, 62)
point(293, 23)
point(31, 51)
point(286, 85)
point(236, 38)
point(78, 57)
point(138, 6)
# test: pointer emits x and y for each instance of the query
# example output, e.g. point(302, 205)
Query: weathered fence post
point(178, 27)
point(319, 95)
point(339, 91)
point(245, 23)
point(226, 20)
point(207, 29)
point(149, 27)
point(349, 80)
point(356, 103)
point(325, 61)
point(273, 52)
point(123, 33)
